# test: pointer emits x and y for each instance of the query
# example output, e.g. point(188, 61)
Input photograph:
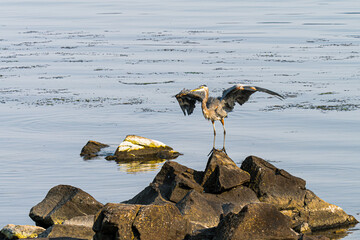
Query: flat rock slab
point(65, 230)
point(61, 203)
point(140, 148)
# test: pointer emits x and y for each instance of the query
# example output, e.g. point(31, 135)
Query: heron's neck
point(204, 101)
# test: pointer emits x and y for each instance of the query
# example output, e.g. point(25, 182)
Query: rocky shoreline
point(254, 201)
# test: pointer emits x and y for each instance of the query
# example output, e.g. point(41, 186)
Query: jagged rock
point(12, 231)
point(172, 183)
point(273, 185)
point(135, 147)
point(203, 210)
point(63, 202)
point(66, 230)
point(91, 149)
point(150, 195)
point(288, 194)
point(255, 221)
point(222, 174)
point(236, 198)
point(125, 221)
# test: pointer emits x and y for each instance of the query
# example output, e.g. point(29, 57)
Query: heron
point(217, 108)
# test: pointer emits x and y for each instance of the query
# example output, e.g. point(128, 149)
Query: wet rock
point(222, 174)
point(12, 231)
point(139, 148)
point(61, 203)
point(255, 221)
point(91, 149)
point(70, 231)
point(309, 237)
point(172, 183)
point(288, 194)
point(125, 221)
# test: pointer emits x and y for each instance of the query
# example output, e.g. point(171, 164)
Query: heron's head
point(202, 88)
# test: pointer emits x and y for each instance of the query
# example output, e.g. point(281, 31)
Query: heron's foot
point(223, 150)
point(212, 151)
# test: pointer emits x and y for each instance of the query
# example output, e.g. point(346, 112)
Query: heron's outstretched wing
point(241, 94)
point(187, 100)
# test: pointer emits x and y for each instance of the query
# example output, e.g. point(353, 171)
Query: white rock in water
point(133, 142)
point(12, 231)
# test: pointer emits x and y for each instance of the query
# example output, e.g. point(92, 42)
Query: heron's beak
point(196, 89)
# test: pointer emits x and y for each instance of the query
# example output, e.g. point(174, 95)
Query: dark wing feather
point(241, 94)
point(187, 100)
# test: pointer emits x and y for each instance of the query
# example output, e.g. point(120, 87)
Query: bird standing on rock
point(216, 109)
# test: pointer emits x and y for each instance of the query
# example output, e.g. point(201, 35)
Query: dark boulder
point(61, 203)
point(289, 194)
point(161, 222)
point(253, 222)
point(203, 210)
point(222, 174)
point(91, 149)
point(115, 221)
point(125, 221)
point(273, 185)
point(172, 183)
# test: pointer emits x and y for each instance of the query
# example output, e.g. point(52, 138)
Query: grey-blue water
point(76, 70)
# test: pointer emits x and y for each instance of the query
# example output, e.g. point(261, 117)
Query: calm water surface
point(71, 71)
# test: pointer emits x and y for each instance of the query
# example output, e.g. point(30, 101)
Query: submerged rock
point(12, 231)
point(139, 148)
point(91, 149)
point(63, 202)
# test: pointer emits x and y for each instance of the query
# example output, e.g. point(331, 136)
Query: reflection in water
point(135, 166)
point(337, 233)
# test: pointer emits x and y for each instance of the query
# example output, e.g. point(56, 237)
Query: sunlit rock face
point(140, 148)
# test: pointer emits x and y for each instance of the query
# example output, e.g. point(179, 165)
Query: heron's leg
point(212, 150)
point(223, 124)
point(213, 123)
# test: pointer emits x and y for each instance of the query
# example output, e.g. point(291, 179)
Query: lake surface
point(71, 71)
